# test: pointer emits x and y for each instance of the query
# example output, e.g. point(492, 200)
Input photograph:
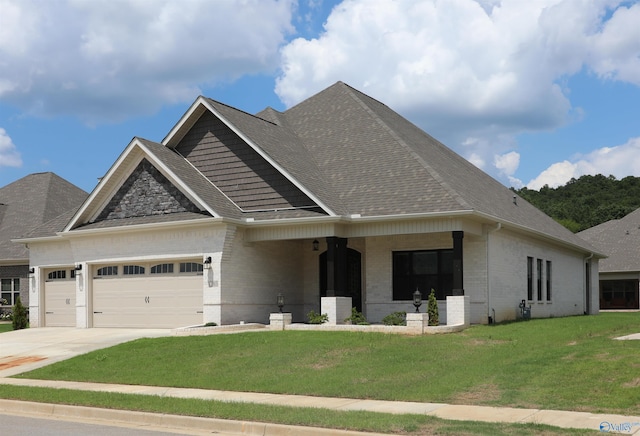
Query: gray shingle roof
point(620, 240)
point(28, 203)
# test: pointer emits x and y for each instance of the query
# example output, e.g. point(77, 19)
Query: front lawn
point(564, 363)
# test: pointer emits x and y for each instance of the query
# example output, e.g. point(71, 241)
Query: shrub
point(432, 309)
point(210, 324)
point(395, 318)
point(356, 318)
point(20, 318)
point(316, 318)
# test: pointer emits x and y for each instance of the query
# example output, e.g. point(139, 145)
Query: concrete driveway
point(24, 350)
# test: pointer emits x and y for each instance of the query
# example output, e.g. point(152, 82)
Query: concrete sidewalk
point(580, 420)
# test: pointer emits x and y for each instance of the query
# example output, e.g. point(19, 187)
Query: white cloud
point(619, 161)
point(462, 69)
point(9, 156)
point(113, 59)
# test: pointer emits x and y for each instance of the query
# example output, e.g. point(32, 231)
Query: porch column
point(336, 266)
point(457, 262)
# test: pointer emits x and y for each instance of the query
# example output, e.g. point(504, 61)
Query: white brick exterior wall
point(256, 273)
point(508, 254)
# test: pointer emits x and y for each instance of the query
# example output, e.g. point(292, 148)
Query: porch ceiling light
point(207, 263)
point(417, 300)
point(316, 245)
point(280, 301)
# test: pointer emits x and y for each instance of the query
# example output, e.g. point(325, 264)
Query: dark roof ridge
point(355, 94)
point(216, 102)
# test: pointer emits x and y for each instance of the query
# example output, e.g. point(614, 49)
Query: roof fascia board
point(142, 227)
point(530, 231)
point(172, 139)
point(170, 142)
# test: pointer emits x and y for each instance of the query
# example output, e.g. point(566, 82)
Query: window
point(548, 280)
point(130, 270)
point(10, 290)
point(108, 271)
point(529, 278)
point(188, 267)
point(423, 270)
point(539, 268)
point(162, 268)
point(57, 275)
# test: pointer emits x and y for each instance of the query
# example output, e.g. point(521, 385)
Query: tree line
point(587, 201)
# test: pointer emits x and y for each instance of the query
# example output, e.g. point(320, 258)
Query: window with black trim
point(423, 270)
point(548, 280)
point(529, 278)
point(162, 268)
point(539, 283)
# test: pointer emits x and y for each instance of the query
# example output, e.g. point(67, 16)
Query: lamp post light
point(280, 301)
point(417, 300)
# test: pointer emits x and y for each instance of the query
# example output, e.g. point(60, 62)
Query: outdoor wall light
point(280, 301)
point(78, 267)
point(417, 300)
point(32, 270)
point(316, 245)
point(207, 263)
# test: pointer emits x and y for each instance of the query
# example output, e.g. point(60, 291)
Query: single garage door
point(60, 298)
point(166, 295)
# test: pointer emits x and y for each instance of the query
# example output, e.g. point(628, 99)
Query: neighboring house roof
point(28, 203)
point(620, 240)
point(338, 153)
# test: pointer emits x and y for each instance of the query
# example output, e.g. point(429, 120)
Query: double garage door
point(131, 296)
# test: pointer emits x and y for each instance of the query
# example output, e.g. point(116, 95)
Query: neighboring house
point(337, 196)
point(620, 271)
point(24, 205)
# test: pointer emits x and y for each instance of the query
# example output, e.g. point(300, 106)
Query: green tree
point(20, 317)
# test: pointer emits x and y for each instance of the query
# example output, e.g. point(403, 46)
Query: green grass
point(563, 363)
point(5, 327)
point(347, 420)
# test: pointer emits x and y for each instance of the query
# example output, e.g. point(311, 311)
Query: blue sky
point(533, 92)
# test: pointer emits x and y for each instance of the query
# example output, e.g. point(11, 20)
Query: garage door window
point(129, 270)
point(108, 271)
point(190, 267)
point(162, 268)
point(57, 275)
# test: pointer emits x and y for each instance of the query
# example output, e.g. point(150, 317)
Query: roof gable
point(145, 175)
point(146, 192)
point(237, 169)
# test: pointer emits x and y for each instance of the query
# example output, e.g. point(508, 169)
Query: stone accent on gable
point(145, 193)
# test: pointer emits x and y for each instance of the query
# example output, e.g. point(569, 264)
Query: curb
point(146, 419)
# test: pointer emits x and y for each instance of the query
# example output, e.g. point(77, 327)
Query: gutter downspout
point(489, 309)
